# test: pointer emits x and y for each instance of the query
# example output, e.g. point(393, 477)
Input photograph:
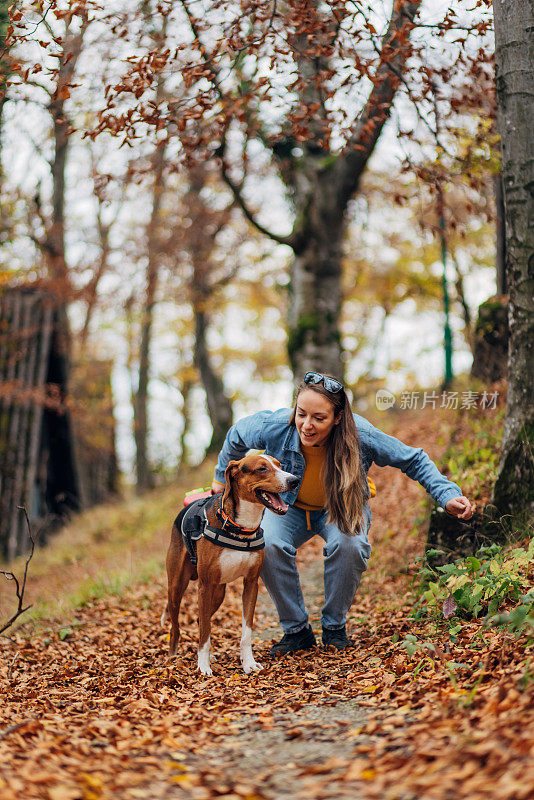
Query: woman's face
point(314, 418)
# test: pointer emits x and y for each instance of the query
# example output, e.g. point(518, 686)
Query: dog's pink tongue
point(277, 502)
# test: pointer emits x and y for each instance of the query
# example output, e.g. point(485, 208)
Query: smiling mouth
point(271, 501)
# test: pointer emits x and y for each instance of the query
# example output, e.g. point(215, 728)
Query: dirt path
point(310, 751)
point(291, 754)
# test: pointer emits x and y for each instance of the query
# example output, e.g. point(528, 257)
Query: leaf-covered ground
point(92, 708)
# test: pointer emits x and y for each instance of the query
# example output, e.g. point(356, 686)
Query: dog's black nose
point(292, 482)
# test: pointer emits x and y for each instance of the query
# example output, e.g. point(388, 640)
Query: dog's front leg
point(250, 594)
point(205, 606)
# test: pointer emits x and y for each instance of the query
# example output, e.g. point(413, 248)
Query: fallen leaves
point(93, 721)
point(102, 713)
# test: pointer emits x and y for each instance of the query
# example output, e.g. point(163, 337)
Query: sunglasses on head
point(330, 384)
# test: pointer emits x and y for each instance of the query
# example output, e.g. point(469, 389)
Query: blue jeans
point(345, 559)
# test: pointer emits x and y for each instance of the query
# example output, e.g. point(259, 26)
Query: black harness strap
point(195, 525)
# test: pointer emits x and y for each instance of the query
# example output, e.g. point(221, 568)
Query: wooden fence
point(43, 461)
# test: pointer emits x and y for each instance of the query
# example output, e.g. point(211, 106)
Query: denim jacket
point(271, 431)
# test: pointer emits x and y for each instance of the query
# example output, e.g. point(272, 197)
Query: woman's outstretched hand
point(460, 507)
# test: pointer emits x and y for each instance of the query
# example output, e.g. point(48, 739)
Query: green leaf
point(494, 567)
point(474, 562)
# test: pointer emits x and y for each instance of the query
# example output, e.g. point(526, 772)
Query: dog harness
point(195, 525)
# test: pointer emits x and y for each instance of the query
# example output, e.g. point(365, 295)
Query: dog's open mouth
point(272, 501)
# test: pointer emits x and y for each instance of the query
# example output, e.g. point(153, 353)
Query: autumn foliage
point(94, 709)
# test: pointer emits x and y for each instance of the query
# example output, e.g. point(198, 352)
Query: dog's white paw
point(204, 659)
point(251, 666)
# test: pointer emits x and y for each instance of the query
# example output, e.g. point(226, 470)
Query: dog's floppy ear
point(229, 473)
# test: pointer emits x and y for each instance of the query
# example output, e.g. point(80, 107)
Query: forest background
point(171, 253)
point(211, 197)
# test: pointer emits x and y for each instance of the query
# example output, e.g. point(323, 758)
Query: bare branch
point(240, 201)
point(10, 576)
point(209, 61)
point(369, 125)
point(235, 188)
point(409, 92)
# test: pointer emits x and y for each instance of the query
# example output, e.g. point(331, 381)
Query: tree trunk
point(466, 311)
point(322, 185)
point(143, 472)
point(200, 242)
point(514, 22)
point(4, 72)
point(186, 391)
point(91, 290)
point(219, 406)
point(55, 236)
point(315, 295)
point(54, 240)
point(500, 239)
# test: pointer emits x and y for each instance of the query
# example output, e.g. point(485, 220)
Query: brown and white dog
point(252, 484)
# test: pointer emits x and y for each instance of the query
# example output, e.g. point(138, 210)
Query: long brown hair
point(342, 471)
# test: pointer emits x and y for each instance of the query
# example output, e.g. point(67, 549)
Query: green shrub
point(479, 584)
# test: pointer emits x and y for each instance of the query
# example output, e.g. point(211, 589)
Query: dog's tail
point(165, 616)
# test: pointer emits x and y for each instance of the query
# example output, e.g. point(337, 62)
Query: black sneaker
point(292, 642)
point(337, 637)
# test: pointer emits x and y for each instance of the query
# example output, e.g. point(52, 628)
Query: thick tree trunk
point(322, 184)
point(500, 238)
point(514, 57)
point(315, 295)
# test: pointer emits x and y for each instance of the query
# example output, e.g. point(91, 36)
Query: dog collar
point(229, 526)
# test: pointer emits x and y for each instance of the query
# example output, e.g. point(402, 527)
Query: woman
point(330, 450)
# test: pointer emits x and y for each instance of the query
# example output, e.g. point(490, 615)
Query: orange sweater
point(311, 493)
